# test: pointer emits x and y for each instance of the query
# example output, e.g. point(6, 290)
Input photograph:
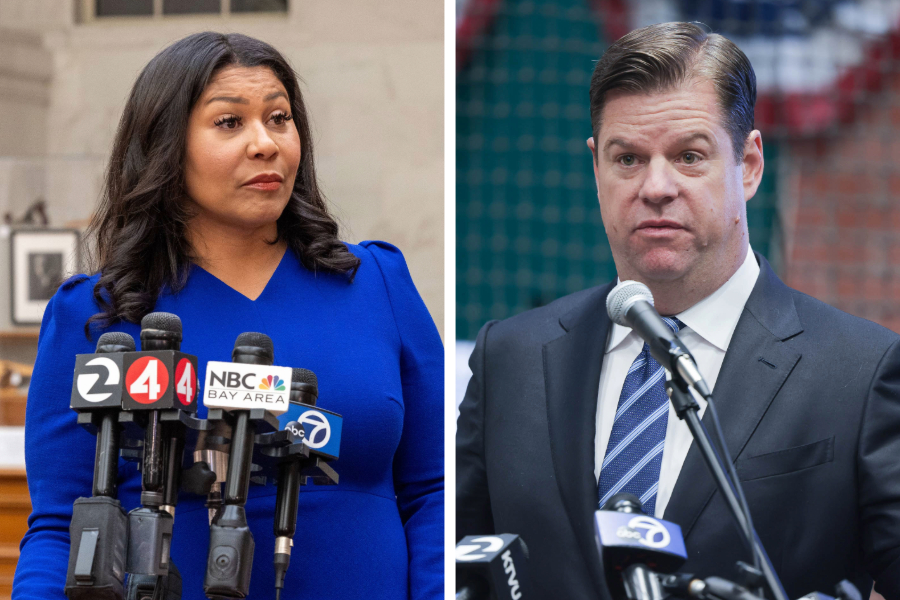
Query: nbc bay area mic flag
point(238, 386)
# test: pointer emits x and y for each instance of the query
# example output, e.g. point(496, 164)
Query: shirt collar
point(715, 317)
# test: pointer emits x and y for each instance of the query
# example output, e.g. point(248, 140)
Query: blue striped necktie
point(634, 452)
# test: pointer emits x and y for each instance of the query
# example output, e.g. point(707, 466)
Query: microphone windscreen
point(622, 297)
point(252, 343)
point(304, 376)
point(163, 321)
point(623, 502)
point(117, 338)
point(255, 340)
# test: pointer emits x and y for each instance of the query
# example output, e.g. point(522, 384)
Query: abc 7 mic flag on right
point(635, 547)
point(319, 428)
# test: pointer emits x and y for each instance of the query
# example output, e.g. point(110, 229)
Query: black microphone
point(489, 567)
point(99, 526)
point(231, 544)
point(160, 383)
point(635, 547)
point(304, 391)
point(630, 304)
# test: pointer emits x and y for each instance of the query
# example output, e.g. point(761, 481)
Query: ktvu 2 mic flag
point(238, 386)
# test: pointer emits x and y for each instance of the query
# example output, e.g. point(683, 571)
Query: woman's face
point(242, 149)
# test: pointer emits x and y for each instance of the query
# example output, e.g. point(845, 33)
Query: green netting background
point(528, 224)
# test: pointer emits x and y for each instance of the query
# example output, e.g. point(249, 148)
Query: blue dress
point(378, 534)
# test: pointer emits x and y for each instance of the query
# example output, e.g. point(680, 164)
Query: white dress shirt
point(709, 325)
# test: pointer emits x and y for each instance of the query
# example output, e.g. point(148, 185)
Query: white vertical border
point(449, 298)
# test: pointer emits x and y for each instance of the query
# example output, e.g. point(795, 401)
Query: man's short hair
point(660, 57)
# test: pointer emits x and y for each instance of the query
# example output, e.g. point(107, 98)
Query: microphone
point(634, 547)
point(99, 526)
point(160, 385)
point(97, 397)
point(245, 385)
point(630, 304)
point(304, 392)
point(492, 566)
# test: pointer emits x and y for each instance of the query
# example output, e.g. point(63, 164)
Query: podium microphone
point(635, 547)
point(489, 567)
point(244, 386)
point(106, 461)
point(630, 304)
point(99, 527)
point(304, 392)
point(160, 381)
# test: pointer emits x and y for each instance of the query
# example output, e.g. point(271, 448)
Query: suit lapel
point(756, 366)
point(572, 365)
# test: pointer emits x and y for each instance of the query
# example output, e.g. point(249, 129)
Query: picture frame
point(40, 260)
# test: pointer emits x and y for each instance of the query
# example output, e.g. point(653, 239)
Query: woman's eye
point(281, 118)
point(627, 160)
point(230, 122)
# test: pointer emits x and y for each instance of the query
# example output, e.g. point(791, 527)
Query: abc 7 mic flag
point(319, 428)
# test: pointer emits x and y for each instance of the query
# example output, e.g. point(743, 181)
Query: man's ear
point(753, 163)
point(593, 146)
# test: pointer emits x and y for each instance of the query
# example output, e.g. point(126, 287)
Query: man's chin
point(662, 266)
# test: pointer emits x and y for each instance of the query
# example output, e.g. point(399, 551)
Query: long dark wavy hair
point(140, 228)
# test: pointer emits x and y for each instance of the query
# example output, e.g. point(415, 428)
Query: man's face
point(671, 193)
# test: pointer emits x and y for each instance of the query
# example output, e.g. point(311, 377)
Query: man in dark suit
point(563, 408)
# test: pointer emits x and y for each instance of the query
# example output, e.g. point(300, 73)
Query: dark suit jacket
point(809, 400)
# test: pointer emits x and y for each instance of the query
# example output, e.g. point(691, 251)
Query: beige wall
point(373, 74)
point(25, 82)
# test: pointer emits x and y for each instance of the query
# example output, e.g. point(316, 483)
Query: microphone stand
point(687, 410)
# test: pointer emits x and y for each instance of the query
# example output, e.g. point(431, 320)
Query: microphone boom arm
point(686, 409)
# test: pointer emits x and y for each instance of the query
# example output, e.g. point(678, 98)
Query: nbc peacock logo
point(274, 383)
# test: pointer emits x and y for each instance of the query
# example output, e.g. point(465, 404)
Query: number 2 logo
point(479, 549)
point(147, 380)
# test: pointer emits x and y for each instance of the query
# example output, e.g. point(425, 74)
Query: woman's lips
point(267, 182)
point(267, 186)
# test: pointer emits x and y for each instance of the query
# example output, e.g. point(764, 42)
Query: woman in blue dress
point(212, 211)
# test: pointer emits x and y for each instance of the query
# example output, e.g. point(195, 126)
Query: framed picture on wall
point(40, 260)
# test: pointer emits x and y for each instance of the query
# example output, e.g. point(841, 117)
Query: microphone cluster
point(143, 406)
point(641, 555)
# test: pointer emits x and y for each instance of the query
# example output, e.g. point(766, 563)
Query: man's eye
point(690, 158)
point(627, 160)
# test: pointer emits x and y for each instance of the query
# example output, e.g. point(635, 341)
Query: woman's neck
point(244, 259)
